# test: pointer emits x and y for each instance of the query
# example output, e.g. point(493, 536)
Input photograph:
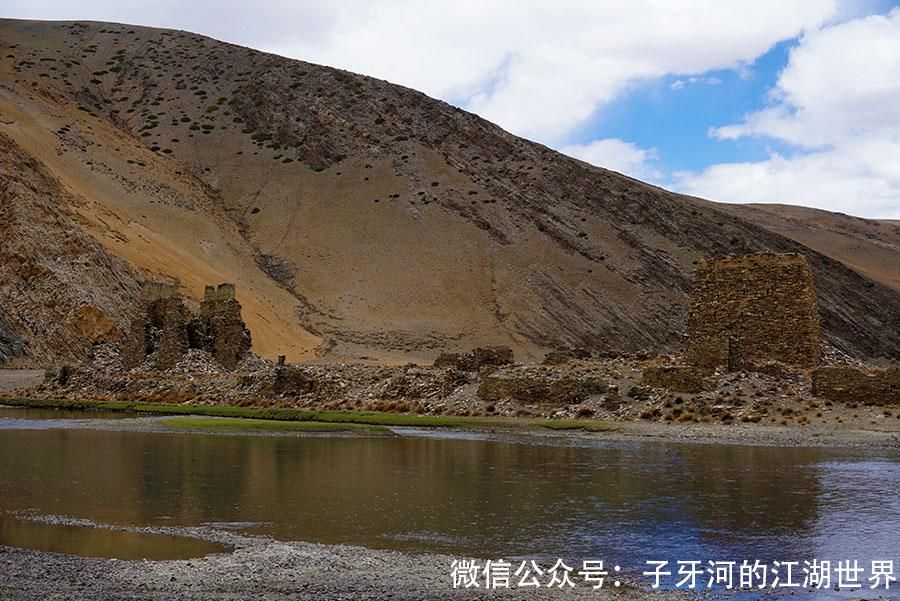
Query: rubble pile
point(490, 356)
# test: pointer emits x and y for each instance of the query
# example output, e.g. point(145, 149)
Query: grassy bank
point(266, 425)
point(311, 415)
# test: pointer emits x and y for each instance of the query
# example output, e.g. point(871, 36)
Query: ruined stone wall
point(166, 329)
point(137, 344)
point(677, 378)
point(154, 291)
point(752, 309)
point(494, 356)
point(853, 385)
point(169, 317)
point(531, 391)
point(220, 330)
point(160, 330)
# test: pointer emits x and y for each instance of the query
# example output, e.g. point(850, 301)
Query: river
point(465, 494)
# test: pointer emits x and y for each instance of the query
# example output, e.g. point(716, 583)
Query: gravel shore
point(262, 568)
point(12, 379)
point(825, 435)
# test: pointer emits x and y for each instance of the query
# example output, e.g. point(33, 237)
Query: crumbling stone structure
point(493, 356)
point(531, 391)
point(165, 329)
point(540, 387)
point(284, 381)
point(219, 329)
point(677, 378)
point(161, 330)
point(748, 310)
point(853, 385)
point(565, 355)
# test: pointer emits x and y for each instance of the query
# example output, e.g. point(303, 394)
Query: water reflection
point(629, 502)
point(12, 416)
point(100, 542)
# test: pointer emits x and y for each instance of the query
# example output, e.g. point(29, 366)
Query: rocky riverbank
point(646, 397)
point(262, 568)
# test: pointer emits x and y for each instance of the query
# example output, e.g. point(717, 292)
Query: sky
point(786, 101)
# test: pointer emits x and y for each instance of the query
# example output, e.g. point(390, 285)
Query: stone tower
point(752, 309)
point(165, 329)
point(160, 329)
point(219, 328)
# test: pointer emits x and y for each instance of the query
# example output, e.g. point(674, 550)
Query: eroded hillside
point(359, 218)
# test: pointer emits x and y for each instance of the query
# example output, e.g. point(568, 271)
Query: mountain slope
point(361, 218)
point(61, 288)
point(868, 246)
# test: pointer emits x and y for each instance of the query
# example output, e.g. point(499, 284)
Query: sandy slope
point(364, 219)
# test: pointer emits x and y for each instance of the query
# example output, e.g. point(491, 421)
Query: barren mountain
point(357, 217)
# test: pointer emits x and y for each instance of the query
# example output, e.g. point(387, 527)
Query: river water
point(469, 495)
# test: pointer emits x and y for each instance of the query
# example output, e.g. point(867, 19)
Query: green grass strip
point(373, 418)
point(265, 425)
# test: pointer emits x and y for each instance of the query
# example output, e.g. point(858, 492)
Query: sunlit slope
point(364, 219)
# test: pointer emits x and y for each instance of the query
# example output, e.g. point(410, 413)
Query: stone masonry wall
point(752, 309)
point(165, 330)
point(168, 316)
point(853, 385)
point(493, 356)
point(160, 330)
point(219, 328)
point(677, 378)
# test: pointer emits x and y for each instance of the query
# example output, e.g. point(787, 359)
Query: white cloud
point(617, 155)
point(838, 81)
point(838, 99)
point(680, 84)
point(860, 179)
point(540, 69)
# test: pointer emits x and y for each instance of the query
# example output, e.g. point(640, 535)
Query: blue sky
point(792, 101)
point(675, 118)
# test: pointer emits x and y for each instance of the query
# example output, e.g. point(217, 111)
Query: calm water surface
point(10, 416)
point(471, 495)
point(101, 542)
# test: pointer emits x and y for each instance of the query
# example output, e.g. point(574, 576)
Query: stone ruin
point(749, 310)
point(676, 378)
point(219, 328)
point(759, 312)
point(853, 385)
point(166, 329)
point(752, 312)
point(488, 356)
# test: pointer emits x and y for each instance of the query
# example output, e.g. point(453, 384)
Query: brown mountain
point(357, 217)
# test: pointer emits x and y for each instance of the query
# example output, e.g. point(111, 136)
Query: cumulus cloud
point(540, 69)
point(618, 155)
point(861, 178)
point(838, 101)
